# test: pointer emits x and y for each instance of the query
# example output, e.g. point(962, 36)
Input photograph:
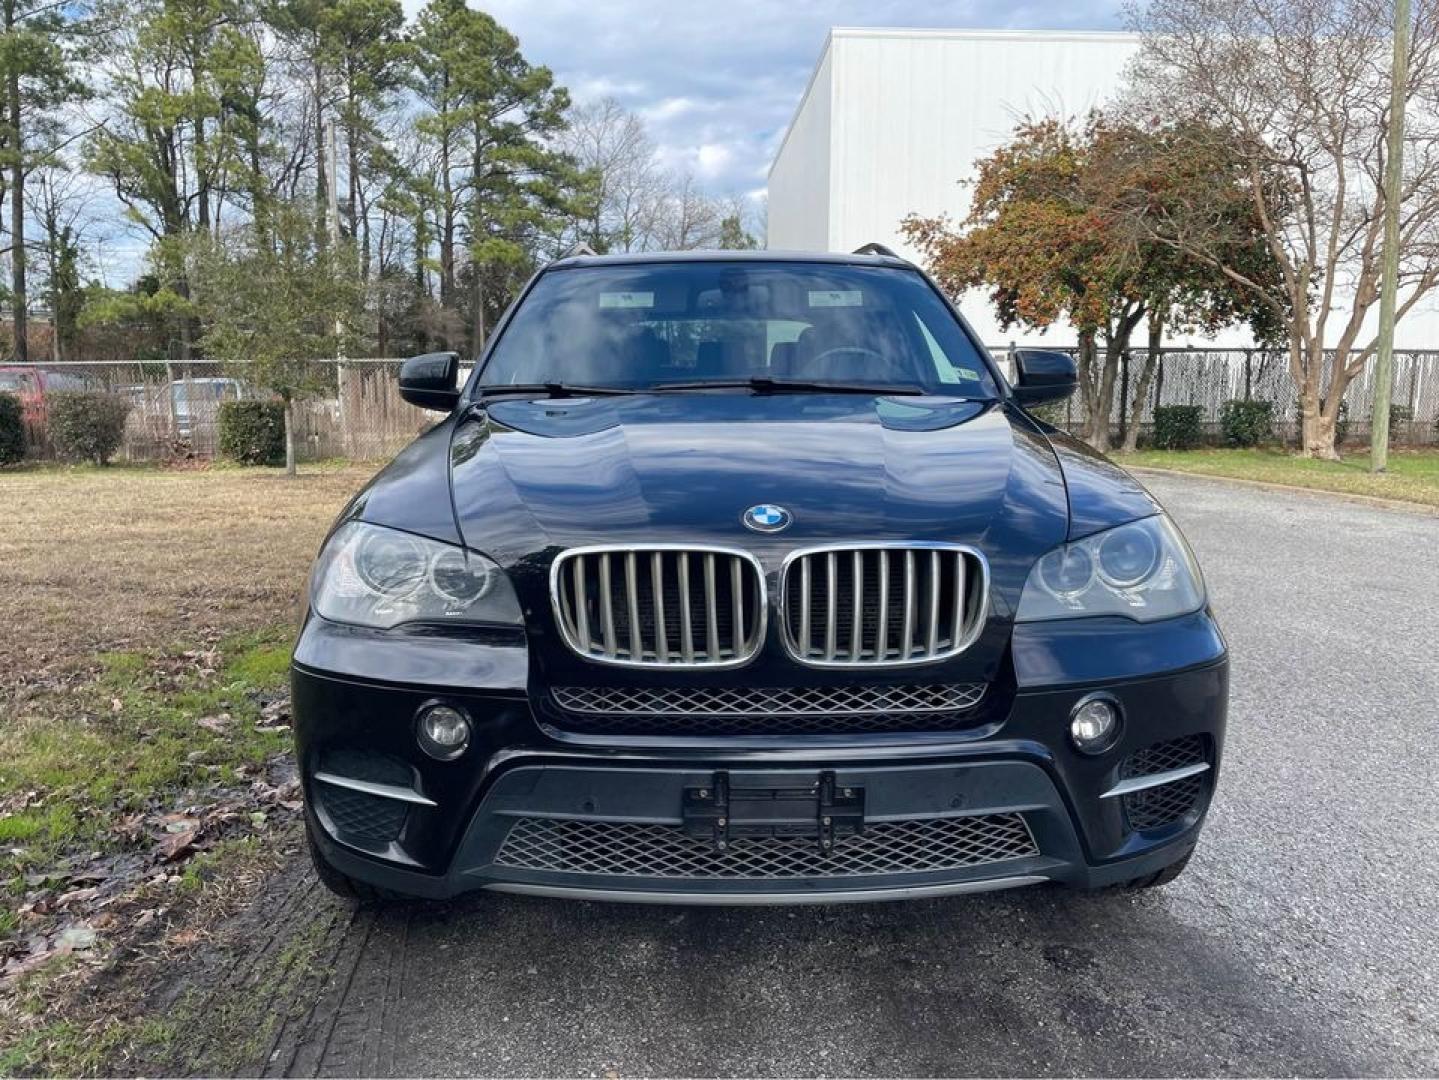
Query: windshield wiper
point(550, 389)
point(763, 385)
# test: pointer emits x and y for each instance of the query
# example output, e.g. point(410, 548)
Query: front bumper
point(528, 809)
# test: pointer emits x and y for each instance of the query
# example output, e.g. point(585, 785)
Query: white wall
point(799, 180)
point(894, 121)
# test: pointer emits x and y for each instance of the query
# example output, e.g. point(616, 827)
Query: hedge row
point(86, 424)
point(12, 430)
point(253, 432)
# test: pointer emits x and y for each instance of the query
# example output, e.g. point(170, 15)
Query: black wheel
point(1161, 877)
point(341, 884)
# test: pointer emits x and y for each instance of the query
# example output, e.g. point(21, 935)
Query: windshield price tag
point(835, 298)
point(627, 299)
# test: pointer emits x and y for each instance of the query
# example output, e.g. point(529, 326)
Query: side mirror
point(431, 380)
point(1043, 375)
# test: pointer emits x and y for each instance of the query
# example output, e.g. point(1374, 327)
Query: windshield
point(638, 326)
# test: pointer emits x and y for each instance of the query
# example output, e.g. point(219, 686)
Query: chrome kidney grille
point(660, 605)
point(882, 605)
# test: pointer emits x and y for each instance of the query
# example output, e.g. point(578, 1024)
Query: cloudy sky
point(718, 80)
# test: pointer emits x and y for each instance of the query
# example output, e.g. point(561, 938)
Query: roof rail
point(576, 250)
point(874, 249)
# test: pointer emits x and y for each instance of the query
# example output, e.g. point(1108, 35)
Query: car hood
point(531, 476)
point(527, 479)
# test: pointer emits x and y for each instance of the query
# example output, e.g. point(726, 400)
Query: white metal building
point(893, 121)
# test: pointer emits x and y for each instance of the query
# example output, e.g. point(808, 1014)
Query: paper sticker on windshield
point(627, 299)
point(835, 298)
point(968, 373)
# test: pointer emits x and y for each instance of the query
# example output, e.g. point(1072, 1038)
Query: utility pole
point(1389, 282)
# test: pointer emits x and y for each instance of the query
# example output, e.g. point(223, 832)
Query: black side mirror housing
point(1043, 375)
point(431, 380)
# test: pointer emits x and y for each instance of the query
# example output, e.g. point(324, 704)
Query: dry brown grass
point(133, 603)
point(108, 559)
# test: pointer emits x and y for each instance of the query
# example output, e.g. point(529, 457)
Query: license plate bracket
point(726, 808)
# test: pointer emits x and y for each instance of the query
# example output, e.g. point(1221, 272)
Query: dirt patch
point(145, 783)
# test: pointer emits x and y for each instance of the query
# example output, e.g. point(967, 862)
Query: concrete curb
point(1269, 485)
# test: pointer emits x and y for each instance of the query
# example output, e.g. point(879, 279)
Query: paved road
point(1304, 938)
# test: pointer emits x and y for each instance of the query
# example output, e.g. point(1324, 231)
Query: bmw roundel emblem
point(767, 518)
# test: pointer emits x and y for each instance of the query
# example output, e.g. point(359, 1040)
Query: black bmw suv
point(748, 578)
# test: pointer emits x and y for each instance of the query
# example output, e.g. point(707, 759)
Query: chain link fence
point(359, 414)
point(174, 409)
point(1208, 378)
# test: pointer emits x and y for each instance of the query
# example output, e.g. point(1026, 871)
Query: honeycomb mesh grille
point(766, 710)
point(629, 849)
point(1166, 803)
point(1163, 805)
point(357, 816)
point(1163, 756)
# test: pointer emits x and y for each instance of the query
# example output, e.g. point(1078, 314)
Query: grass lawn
point(1412, 476)
point(147, 618)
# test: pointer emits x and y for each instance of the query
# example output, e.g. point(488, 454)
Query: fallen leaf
point(76, 936)
point(175, 844)
point(219, 724)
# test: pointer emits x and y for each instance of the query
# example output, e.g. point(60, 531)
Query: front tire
point(341, 884)
point(1161, 877)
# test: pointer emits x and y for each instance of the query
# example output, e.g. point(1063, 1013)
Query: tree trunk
point(322, 176)
point(1317, 420)
point(289, 437)
point(1085, 363)
point(19, 302)
point(203, 178)
point(52, 264)
point(1102, 420)
point(1146, 376)
point(1317, 439)
point(477, 330)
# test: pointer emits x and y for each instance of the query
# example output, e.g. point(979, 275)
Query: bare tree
point(610, 143)
point(1302, 88)
point(687, 218)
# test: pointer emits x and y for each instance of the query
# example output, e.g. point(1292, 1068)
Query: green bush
point(1247, 423)
point(86, 424)
point(253, 432)
point(12, 430)
point(1400, 417)
point(1177, 427)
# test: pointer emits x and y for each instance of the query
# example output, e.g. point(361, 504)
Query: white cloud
point(712, 159)
point(718, 83)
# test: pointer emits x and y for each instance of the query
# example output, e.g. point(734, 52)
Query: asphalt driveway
point(1303, 939)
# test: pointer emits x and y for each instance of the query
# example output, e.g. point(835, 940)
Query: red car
point(32, 385)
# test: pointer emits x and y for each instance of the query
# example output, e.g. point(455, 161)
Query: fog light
point(1094, 725)
point(443, 731)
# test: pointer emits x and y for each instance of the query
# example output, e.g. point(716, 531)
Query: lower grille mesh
point(809, 710)
point(629, 849)
point(1166, 803)
point(1162, 805)
point(357, 816)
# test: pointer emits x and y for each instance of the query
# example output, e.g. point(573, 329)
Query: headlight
point(1143, 571)
point(369, 575)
